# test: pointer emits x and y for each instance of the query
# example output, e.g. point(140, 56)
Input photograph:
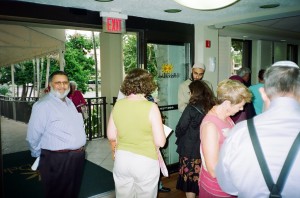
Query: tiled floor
point(13, 136)
point(98, 151)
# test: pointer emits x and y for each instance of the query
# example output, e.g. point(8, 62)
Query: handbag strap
point(197, 109)
point(275, 189)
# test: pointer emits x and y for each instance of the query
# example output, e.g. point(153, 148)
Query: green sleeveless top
point(131, 118)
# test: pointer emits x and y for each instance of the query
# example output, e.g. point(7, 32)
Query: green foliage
point(237, 45)
point(4, 75)
point(130, 54)
point(151, 60)
point(24, 73)
point(4, 90)
point(78, 66)
point(93, 122)
point(237, 52)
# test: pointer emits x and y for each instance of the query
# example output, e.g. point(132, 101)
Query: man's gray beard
point(59, 95)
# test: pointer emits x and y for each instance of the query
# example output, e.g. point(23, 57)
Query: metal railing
point(95, 124)
point(19, 109)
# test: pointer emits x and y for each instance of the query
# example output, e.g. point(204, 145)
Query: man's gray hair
point(281, 80)
point(73, 83)
point(243, 71)
point(298, 87)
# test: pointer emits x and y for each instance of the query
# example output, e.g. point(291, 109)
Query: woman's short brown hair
point(233, 91)
point(138, 81)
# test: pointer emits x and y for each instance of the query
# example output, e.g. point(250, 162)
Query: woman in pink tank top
point(231, 97)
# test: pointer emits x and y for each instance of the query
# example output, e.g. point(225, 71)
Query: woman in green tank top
point(136, 125)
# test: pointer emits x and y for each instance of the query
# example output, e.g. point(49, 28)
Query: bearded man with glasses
point(57, 137)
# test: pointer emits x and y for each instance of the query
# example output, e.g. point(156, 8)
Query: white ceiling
point(243, 19)
point(285, 18)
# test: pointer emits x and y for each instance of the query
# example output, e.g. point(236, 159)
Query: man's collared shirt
point(55, 125)
point(238, 171)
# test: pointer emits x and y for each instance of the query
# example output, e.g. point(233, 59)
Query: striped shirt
point(55, 125)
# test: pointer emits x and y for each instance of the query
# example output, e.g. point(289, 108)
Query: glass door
point(170, 63)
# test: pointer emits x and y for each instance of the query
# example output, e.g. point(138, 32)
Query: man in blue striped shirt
point(56, 134)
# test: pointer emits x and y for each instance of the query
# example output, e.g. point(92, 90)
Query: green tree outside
point(130, 55)
point(237, 52)
point(79, 67)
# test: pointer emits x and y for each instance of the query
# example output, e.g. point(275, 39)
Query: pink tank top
point(207, 182)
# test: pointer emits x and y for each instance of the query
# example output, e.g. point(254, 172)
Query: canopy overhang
point(21, 43)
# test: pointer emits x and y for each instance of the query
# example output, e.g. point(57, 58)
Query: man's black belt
point(70, 150)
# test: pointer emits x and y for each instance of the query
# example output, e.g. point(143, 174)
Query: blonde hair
point(233, 91)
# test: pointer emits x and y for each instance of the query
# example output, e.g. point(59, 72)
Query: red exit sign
point(113, 25)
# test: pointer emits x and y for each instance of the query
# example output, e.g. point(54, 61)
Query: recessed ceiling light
point(172, 10)
point(267, 6)
point(104, 0)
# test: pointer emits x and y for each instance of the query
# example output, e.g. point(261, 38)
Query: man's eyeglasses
point(59, 83)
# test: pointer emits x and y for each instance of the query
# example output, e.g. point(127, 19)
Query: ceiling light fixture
point(172, 10)
point(206, 4)
point(267, 6)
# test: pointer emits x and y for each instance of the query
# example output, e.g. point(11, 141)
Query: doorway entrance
point(172, 62)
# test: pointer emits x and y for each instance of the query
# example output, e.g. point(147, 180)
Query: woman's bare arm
point(210, 146)
point(111, 129)
point(157, 126)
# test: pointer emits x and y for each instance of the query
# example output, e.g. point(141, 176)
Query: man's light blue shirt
point(55, 125)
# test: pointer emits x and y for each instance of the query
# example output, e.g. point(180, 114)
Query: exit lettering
point(114, 25)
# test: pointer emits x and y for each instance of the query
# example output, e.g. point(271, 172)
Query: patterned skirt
point(188, 176)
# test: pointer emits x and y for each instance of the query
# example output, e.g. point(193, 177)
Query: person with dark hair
point(238, 170)
point(231, 97)
point(188, 137)
point(56, 135)
point(256, 97)
point(197, 73)
point(136, 125)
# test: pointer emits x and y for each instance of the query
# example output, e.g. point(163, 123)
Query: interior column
point(111, 65)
